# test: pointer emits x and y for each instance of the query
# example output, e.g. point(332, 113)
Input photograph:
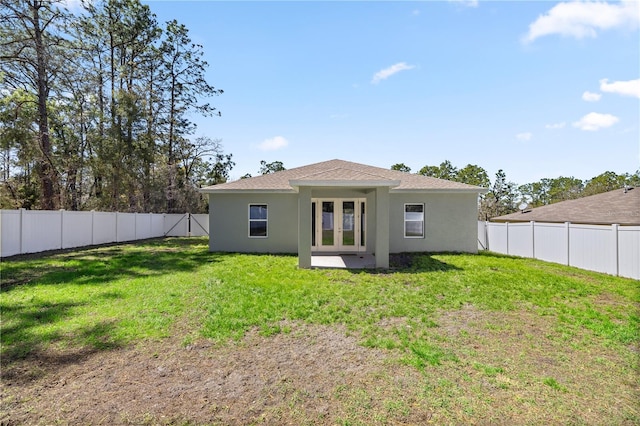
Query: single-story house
point(342, 207)
point(620, 206)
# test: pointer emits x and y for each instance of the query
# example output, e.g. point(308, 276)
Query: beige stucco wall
point(451, 221)
point(229, 223)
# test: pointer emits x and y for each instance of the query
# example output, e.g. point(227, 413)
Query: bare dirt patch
point(312, 375)
point(526, 370)
point(512, 367)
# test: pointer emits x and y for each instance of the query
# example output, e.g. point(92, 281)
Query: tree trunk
point(48, 201)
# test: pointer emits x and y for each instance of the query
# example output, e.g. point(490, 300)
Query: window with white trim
point(414, 220)
point(258, 221)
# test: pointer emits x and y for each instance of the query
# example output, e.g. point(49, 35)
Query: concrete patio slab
point(343, 261)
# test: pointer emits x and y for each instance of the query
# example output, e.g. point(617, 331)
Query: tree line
point(96, 107)
point(505, 196)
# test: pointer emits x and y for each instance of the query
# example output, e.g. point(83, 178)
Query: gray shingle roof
point(339, 171)
point(600, 209)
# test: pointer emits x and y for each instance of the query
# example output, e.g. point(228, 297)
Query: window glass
point(413, 229)
point(414, 220)
point(258, 211)
point(257, 220)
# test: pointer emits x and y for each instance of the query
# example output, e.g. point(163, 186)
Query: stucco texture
point(450, 222)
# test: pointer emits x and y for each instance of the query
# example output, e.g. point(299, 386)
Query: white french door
point(338, 224)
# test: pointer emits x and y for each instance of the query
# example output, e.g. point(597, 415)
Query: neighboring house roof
point(611, 207)
point(341, 173)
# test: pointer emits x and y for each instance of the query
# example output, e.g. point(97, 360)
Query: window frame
point(265, 220)
point(404, 222)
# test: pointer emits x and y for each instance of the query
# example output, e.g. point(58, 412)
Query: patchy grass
point(494, 338)
point(99, 298)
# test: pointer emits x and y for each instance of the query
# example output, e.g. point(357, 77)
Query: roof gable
point(344, 172)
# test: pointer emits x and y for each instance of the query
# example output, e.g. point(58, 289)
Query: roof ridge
point(344, 168)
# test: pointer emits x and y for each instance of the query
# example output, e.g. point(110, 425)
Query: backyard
point(164, 332)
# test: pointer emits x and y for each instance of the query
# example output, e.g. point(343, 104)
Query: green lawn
point(460, 319)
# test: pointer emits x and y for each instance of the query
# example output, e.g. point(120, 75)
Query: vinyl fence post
point(507, 231)
point(486, 235)
point(568, 226)
point(117, 228)
point(614, 229)
point(533, 239)
point(21, 230)
point(61, 228)
point(135, 226)
point(93, 225)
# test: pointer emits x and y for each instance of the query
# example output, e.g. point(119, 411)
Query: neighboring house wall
point(229, 223)
point(450, 223)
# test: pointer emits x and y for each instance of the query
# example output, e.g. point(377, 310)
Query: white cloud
point(388, 72)
point(591, 97)
point(467, 3)
point(273, 144)
point(596, 121)
point(555, 125)
point(585, 19)
point(524, 136)
point(625, 88)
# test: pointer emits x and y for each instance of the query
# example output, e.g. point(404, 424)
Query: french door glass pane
point(313, 224)
point(327, 223)
point(362, 224)
point(348, 223)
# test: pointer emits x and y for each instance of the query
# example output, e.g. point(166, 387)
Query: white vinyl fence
point(611, 249)
point(32, 231)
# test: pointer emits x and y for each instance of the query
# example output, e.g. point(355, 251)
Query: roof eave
point(442, 190)
point(345, 184)
point(247, 191)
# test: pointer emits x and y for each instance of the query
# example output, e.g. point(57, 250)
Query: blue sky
point(539, 89)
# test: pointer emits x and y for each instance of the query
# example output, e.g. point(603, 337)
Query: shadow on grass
point(408, 263)
point(31, 323)
point(27, 335)
point(104, 264)
point(419, 262)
